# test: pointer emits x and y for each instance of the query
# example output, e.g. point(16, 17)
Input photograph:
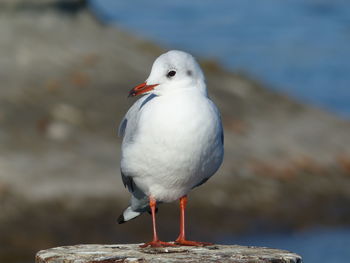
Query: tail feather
point(138, 205)
point(127, 215)
point(121, 219)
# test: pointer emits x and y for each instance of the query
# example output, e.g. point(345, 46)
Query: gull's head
point(172, 71)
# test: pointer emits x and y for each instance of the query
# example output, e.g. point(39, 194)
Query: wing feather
point(128, 125)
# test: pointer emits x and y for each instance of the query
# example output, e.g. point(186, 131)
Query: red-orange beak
point(140, 89)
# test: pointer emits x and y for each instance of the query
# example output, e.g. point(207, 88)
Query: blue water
point(316, 245)
point(300, 47)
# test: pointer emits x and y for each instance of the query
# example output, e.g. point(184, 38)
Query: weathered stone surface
point(133, 253)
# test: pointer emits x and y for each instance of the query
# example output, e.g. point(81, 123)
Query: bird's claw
point(158, 243)
point(184, 242)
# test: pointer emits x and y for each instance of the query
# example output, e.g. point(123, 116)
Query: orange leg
point(181, 240)
point(155, 242)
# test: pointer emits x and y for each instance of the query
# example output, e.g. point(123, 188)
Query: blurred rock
point(59, 131)
point(67, 113)
point(64, 84)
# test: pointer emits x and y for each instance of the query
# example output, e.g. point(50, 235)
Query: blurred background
point(279, 72)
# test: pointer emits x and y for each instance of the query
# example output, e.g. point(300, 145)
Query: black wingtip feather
point(121, 219)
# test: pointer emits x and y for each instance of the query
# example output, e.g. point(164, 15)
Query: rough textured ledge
point(133, 253)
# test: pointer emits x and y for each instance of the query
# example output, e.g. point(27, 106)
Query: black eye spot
point(171, 73)
point(189, 72)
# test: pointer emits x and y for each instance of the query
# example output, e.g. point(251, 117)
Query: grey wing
point(127, 129)
point(128, 182)
point(221, 134)
point(220, 123)
point(215, 108)
point(207, 178)
point(201, 182)
point(129, 122)
point(128, 125)
point(132, 187)
point(138, 203)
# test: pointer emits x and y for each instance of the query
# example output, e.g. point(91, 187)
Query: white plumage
point(172, 136)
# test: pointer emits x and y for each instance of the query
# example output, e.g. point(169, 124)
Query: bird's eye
point(171, 73)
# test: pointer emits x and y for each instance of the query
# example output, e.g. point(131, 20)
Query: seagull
point(172, 140)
